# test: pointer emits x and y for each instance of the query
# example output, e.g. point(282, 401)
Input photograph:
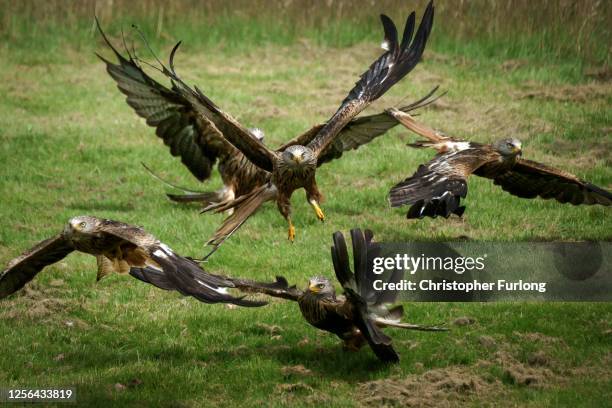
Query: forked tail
point(244, 206)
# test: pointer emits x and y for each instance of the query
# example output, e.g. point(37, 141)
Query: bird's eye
point(320, 286)
point(82, 224)
point(509, 144)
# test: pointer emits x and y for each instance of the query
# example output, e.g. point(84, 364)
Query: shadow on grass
point(174, 375)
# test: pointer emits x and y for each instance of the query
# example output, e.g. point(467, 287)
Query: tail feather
point(360, 260)
point(381, 322)
point(340, 259)
point(207, 198)
point(379, 342)
point(422, 144)
point(245, 206)
point(354, 284)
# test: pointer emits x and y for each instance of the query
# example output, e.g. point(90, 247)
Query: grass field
point(70, 145)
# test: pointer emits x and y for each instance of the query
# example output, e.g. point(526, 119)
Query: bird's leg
point(318, 211)
point(291, 235)
point(314, 197)
point(229, 195)
point(284, 206)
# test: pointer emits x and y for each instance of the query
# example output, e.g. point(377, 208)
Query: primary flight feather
point(200, 132)
point(437, 187)
point(120, 248)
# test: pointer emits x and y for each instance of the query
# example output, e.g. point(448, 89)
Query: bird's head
point(321, 287)
point(82, 224)
point(298, 156)
point(509, 147)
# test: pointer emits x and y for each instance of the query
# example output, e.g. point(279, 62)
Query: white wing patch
point(166, 248)
point(159, 253)
point(222, 291)
point(457, 146)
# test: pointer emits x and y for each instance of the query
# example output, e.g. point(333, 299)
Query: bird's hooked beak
point(517, 149)
point(297, 158)
point(313, 287)
point(68, 230)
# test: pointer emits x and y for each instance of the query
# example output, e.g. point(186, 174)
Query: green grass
point(69, 145)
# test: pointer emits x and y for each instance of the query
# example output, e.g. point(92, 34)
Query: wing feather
point(170, 271)
point(359, 131)
point(197, 143)
point(186, 277)
point(436, 188)
point(529, 179)
point(22, 269)
point(363, 130)
point(387, 70)
point(230, 129)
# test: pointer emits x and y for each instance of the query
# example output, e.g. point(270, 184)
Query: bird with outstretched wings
point(121, 248)
point(199, 144)
point(358, 316)
point(437, 187)
point(187, 119)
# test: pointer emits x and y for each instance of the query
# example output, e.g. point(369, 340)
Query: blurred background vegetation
point(544, 29)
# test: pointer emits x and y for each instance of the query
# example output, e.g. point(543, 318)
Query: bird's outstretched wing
point(156, 263)
point(205, 109)
point(387, 70)
point(22, 269)
point(359, 131)
point(195, 139)
point(436, 188)
point(529, 179)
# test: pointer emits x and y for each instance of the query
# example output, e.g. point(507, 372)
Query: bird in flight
point(437, 187)
point(121, 248)
point(200, 132)
point(358, 316)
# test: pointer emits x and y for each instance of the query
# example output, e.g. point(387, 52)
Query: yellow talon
point(291, 232)
point(318, 210)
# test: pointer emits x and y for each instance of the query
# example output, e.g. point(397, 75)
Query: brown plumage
point(120, 248)
point(438, 186)
point(294, 165)
point(190, 136)
point(357, 317)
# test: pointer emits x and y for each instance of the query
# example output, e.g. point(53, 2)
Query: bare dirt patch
point(297, 371)
point(34, 304)
point(539, 338)
point(484, 382)
point(521, 374)
point(464, 321)
point(603, 73)
point(443, 387)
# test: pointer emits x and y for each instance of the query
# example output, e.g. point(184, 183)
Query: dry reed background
point(558, 28)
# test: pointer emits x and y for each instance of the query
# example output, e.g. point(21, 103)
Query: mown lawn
point(70, 145)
